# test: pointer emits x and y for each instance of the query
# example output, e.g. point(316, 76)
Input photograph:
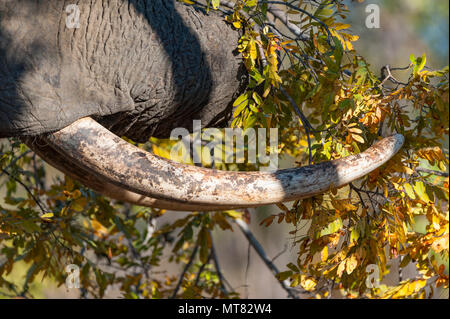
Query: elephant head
point(139, 68)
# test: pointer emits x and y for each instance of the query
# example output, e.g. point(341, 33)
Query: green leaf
point(257, 98)
point(241, 99)
point(332, 227)
point(421, 63)
point(254, 73)
point(240, 103)
point(405, 261)
point(29, 226)
point(253, 107)
point(188, 232)
point(204, 241)
point(284, 275)
point(293, 267)
point(324, 12)
point(250, 121)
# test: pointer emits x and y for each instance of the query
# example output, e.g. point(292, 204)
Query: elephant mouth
point(90, 153)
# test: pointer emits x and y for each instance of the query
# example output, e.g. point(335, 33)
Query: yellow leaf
point(98, 228)
point(341, 268)
point(47, 216)
point(343, 205)
point(283, 207)
point(324, 253)
point(358, 138)
point(419, 187)
point(409, 190)
point(253, 51)
point(440, 244)
point(308, 284)
point(351, 264)
point(349, 45)
point(237, 24)
point(341, 26)
point(435, 222)
point(420, 284)
point(266, 91)
point(407, 170)
point(355, 130)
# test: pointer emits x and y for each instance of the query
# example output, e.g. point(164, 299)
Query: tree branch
point(303, 119)
point(260, 251)
point(433, 172)
point(38, 202)
point(280, 12)
point(217, 266)
point(186, 268)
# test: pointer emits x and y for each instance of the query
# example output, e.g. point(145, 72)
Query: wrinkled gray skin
point(140, 68)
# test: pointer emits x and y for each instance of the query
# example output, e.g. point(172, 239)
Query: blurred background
point(406, 26)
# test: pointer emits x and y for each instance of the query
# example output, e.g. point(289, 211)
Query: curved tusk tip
point(398, 141)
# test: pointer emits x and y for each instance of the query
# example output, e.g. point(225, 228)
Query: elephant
point(75, 78)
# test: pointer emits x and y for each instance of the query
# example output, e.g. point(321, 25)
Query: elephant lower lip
point(160, 182)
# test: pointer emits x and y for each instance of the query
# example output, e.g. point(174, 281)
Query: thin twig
point(260, 251)
point(273, 9)
point(185, 269)
point(27, 189)
point(217, 266)
point(303, 119)
point(200, 271)
point(14, 161)
point(280, 253)
point(283, 17)
point(136, 256)
point(389, 77)
point(433, 172)
point(247, 267)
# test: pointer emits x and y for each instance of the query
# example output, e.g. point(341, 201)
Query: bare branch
point(37, 201)
point(433, 172)
point(200, 271)
point(283, 17)
point(217, 266)
point(273, 9)
point(260, 250)
point(303, 119)
point(185, 269)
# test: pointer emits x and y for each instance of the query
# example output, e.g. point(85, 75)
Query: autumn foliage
point(327, 103)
